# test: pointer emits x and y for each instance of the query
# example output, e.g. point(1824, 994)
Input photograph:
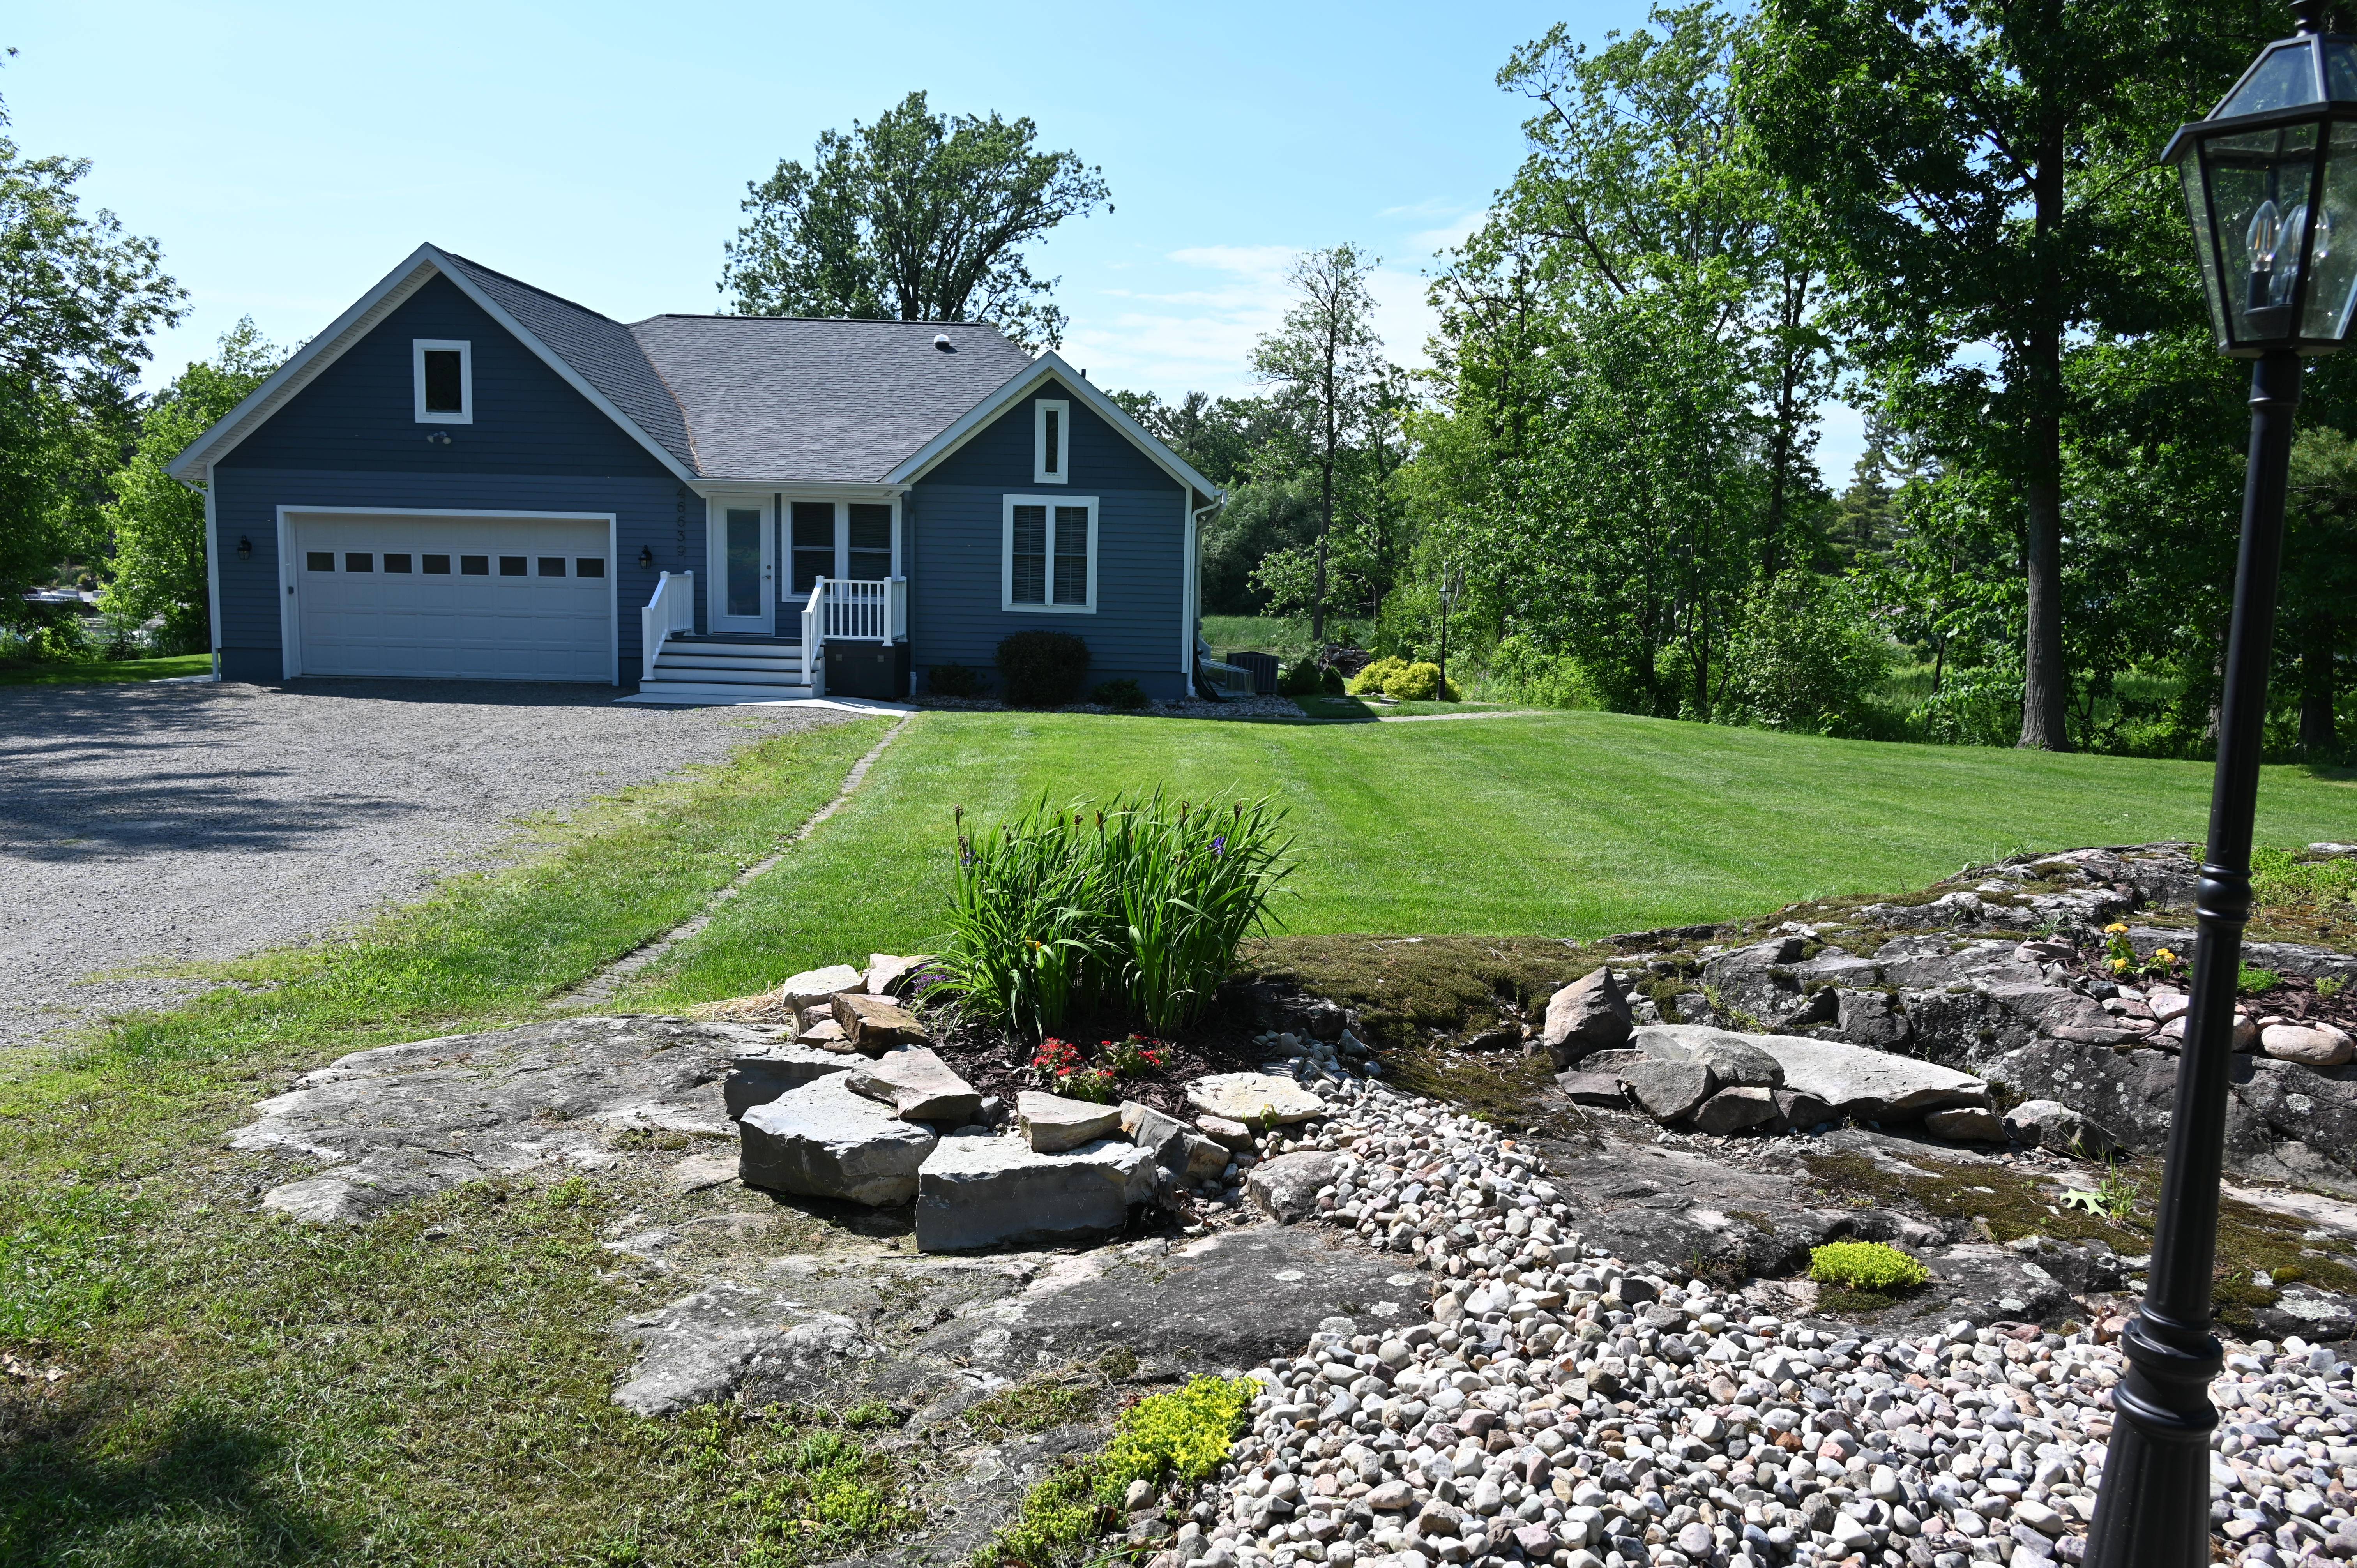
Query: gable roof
point(823, 400)
point(751, 398)
point(1049, 367)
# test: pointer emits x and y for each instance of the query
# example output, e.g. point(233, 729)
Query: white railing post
point(896, 621)
point(813, 634)
point(670, 608)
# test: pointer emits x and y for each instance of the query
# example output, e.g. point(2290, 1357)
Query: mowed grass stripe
point(1572, 824)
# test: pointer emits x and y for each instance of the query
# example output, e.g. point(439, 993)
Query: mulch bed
point(2293, 997)
point(998, 1062)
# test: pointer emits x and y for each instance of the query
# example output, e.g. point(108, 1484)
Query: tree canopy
point(917, 217)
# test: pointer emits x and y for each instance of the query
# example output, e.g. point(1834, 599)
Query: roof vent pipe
point(941, 341)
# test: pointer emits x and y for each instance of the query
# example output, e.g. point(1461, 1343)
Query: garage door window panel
point(512, 566)
point(436, 565)
point(474, 566)
point(393, 562)
point(319, 560)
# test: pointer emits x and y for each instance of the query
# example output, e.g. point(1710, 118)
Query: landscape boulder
point(1225, 1129)
point(1591, 1088)
point(2310, 1045)
point(889, 974)
point(2051, 1125)
point(815, 987)
point(1163, 1136)
point(1590, 1014)
point(1799, 1113)
point(1669, 1090)
point(758, 1076)
point(823, 1140)
point(1869, 1018)
point(1732, 1058)
point(1285, 1188)
point(874, 1025)
point(984, 1192)
point(1253, 1098)
point(1966, 1125)
point(917, 1085)
point(1051, 1124)
point(1733, 1110)
point(1870, 1085)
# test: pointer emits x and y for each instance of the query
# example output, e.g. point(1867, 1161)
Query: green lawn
point(18, 672)
point(1566, 824)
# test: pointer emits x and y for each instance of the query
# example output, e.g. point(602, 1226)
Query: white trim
point(1042, 472)
point(212, 580)
point(1006, 556)
point(289, 623)
point(418, 348)
point(395, 287)
point(1048, 366)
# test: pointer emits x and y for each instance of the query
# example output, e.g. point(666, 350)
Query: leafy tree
point(1984, 173)
point(158, 524)
point(2319, 609)
point(78, 300)
point(1327, 359)
point(919, 217)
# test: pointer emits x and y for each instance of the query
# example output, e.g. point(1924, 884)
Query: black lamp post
point(2271, 181)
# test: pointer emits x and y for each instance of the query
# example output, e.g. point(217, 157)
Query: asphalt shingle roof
point(600, 349)
point(828, 401)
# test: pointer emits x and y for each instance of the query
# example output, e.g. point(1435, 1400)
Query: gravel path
point(146, 825)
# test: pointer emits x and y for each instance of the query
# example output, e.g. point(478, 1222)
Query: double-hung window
point(443, 377)
point(1050, 561)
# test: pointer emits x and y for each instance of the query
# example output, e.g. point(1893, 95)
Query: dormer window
point(444, 373)
point(1051, 442)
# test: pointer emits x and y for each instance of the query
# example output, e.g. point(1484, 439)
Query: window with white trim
point(1050, 560)
point(442, 370)
point(1051, 442)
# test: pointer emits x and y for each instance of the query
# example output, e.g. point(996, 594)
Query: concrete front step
point(667, 662)
point(662, 691)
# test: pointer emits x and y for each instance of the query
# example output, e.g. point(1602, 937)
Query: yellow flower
point(2119, 965)
point(2116, 929)
point(2164, 955)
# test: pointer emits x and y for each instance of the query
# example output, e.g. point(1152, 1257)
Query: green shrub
point(1369, 682)
point(1807, 659)
point(1125, 693)
point(953, 681)
point(1420, 683)
point(1142, 904)
point(1042, 668)
point(1865, 1266)
point(1531, 675)
point(1303, 678)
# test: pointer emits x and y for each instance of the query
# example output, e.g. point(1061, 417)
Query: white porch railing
point(672, 608)
point(851, 610)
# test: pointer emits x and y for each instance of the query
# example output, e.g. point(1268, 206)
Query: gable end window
point(1051, 442)
point(442, 369)
point(1049, 565)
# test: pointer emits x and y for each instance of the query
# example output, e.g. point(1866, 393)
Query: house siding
point(351, 440)
point(955, 518)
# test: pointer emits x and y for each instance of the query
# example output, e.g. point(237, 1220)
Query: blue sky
point(287, 155)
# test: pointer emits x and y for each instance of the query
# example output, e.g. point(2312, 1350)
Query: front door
point(744, 559)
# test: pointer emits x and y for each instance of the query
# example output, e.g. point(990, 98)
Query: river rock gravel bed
point(1557, 1407)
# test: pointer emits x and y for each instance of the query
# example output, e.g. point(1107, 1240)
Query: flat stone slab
point(1871, 1085)
point(875, 1024)
point(826, 1140)
point(1733, 1060)
point(406, 1121)
point(813, 987)
point(917, 1085)
point(1253, 1098)
point(1051, 1124)
point(756, 1078)
point(985, 1192)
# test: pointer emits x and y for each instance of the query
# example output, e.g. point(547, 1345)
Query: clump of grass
point(1175, 1438)
point(2253, 982)
point(1140, 905)
point(1033, 1406)
point(2115, 1198)
point(1866, 1266)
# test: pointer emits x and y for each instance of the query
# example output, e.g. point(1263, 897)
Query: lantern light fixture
point(2271, 185)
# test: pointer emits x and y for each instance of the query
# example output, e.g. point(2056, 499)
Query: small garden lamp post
point(2271, 181)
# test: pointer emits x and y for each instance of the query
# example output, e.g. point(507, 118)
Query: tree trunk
point(2045, 683)
point(2317, 729)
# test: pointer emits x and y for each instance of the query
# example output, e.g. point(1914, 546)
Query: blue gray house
point(465, 477)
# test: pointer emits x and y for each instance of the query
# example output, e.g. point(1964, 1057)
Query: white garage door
point(487, 599)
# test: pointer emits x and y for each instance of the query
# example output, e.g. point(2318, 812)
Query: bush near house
point(1042, 668)
point(955, 681)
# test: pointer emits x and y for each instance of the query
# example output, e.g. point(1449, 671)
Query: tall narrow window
point(1028, 583)
point(870, 540)
point(1051, 442)
point(813, 545)
point(444, 373)
point(1071, 555)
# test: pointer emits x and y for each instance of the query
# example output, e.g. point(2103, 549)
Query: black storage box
point(877, 671)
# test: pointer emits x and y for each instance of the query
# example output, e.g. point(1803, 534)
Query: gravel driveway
point(151, 824)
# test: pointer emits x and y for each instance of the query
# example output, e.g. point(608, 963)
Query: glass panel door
point(871, 541)
point(744, 550)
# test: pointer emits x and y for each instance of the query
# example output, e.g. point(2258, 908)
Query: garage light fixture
point(439, 438)
point(244, 547)
point(646, 558)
